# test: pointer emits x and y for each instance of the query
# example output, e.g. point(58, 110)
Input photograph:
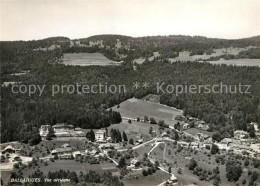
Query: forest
point(22, 115)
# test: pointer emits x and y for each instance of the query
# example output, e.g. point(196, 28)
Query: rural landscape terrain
point(55, 134)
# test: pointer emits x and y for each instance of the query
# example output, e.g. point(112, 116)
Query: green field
point(87, 59)
point(133, 108)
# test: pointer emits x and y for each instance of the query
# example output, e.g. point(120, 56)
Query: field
point(185, 55)
point(136, 178)
point(133, 108)
point(72, 165)
point(87, 59)
point(195, 131)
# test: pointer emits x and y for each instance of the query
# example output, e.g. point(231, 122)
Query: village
point(134, 147)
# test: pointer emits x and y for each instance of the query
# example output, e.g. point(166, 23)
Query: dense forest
point(22, 114)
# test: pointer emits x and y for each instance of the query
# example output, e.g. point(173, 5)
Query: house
point(186, 126)
point(139, 141)
point(203, 126)
point(107, 151)
point(62, 127)
point(165, 135)
point(135, 163)
point(62, 152)
point(223, 146)
point(183, 143)
point(65, 145)
point(44, 131)
point(240, 134)
point(76, 154)
point(100, 136)
point(255, 126)
point(194, 144)
point(173, 180)
point(201, 137)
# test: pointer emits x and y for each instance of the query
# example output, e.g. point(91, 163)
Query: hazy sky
point(38, 19)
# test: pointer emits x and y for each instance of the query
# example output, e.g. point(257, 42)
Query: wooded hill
point(22, 115)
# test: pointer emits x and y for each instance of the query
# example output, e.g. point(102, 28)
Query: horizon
point(25, 20)
point(129, 36)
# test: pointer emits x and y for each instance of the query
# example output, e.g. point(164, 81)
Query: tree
point(150, 130)
point(90, 135)
point(254, 177)
point(130, 121)
point(192, 164)
point(152, 120)
point(119, 136)
point(124, 136)
point(161, 123)
point(179, 171)
point(146, 118)
point(170, 170)
point(122, 162)
point(131, 141)
point(233, 170)
point(177, 126)
point(73, 177)
point(246, 163)
point(50, 134)
point(144, 173)
point(214, 149)
point(156, 164)
point(252, 134)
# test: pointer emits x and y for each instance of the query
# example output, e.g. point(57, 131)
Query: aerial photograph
point(130, 92)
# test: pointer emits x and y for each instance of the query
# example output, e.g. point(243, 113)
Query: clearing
point(134, 108)
point(87, 59)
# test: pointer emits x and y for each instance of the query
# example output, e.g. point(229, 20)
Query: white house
point(100, 135)
point(186, 126)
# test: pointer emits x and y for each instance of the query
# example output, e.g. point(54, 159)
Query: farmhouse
point(100, 136)
point(62, 152)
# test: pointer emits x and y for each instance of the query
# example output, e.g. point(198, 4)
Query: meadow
point(134, 108)
point(185, 55)
point(87, 59)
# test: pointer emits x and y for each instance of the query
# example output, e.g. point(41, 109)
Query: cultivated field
point(87, 59)
point(133, 108)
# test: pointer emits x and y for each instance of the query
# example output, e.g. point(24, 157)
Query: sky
point(38, 19)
